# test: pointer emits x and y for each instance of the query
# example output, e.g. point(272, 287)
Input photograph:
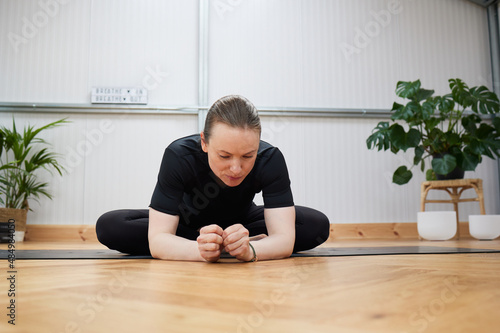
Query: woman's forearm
point(280, 223)
point(278, 246)
point(164, 244)
point(171, 247)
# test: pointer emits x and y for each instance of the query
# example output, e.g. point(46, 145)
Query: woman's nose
point(235, 167)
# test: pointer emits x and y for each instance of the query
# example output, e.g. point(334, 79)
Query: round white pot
point(439, 225)
point(484, 227)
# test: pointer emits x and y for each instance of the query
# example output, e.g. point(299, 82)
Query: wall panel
point(57, 55)
point(146, 43)
point(44, 52)
point(344, 54)
point(439, 42)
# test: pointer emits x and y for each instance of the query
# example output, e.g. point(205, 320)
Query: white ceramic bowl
point(439, 225)
point(484, 227)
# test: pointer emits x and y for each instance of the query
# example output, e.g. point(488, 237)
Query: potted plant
point(22, 156)
point(453, 131)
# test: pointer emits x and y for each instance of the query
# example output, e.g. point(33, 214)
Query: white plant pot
point(484, 227)
point(19, 236)
point(440, 225)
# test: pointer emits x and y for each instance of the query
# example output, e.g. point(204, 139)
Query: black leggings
point(127, 230)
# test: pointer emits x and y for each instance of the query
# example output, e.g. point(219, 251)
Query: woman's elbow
point(287, 251)
point(153, 248)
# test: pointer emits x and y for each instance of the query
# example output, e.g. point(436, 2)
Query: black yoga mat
point(318, 252)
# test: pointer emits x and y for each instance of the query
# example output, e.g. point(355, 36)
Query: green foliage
point(22, 155)
point(402, 175)
point(454, 130)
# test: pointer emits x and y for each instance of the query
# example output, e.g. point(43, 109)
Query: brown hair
point(232, 110)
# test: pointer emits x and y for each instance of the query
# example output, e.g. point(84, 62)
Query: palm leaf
point(30, 133)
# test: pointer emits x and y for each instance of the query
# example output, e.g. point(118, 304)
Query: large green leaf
point(402, 175)
point(446, 104)
point(496, 124)
point(404, 140)
point(423, 94)
point(430, 175)
point(413, 138)
point(468, 161)
point(460, 92)
point(408, 112)
point(444, 165)
point(452, 139)
point(485, 142)
point(431, 123)
point(406, 89)
point(469, 123)
point(476, 147)
point(428, 108)
point(419, 152)
point(484, 131)
point(492, 146)
point(398, 109)
point(398, 136)
point(380, 137)
point(484, 101)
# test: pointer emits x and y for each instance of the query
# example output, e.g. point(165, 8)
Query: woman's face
point(231, 152)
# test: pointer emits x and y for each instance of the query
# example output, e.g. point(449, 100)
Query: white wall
point(57, 55)
point(345, 54)
point(294, 53)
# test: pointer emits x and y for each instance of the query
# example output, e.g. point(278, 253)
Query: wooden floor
point(403, 293)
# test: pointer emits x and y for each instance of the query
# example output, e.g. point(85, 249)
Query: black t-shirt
point(187, 186)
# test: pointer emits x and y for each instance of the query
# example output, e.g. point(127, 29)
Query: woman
point(203, 206)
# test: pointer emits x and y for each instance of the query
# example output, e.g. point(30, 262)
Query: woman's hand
point(235, 242)
point(210, 242)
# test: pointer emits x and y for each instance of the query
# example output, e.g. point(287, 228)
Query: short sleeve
point(169, 189)
point(276, 190)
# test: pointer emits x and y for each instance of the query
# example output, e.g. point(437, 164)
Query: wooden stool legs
point(454, 188)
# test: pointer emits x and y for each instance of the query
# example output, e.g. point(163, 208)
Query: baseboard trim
point(60, 233)
point(339, 231)
point(383, 231)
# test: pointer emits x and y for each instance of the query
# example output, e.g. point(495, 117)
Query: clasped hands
point(213, 240)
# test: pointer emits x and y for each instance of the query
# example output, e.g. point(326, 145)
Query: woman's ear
point(203, 142)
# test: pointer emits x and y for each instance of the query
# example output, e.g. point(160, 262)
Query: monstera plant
point(448, 134)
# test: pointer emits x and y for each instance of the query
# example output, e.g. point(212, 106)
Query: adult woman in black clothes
point(202, 204)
